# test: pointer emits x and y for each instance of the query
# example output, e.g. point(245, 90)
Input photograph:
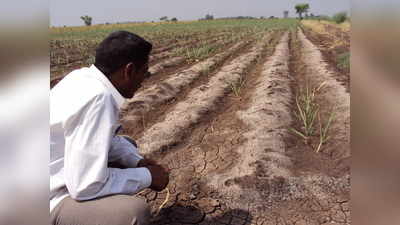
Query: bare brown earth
point(222, 127)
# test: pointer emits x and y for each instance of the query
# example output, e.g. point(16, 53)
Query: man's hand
point(160, 177)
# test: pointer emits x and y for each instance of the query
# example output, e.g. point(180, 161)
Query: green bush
point(340, 17)
point(343, 60)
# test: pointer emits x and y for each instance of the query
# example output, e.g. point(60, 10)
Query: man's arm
point(88, 137)
point(123, 154)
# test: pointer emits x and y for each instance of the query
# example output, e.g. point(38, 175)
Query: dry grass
point(319, 27)
point(164, 202)
point(345, 26)
point(315, 26)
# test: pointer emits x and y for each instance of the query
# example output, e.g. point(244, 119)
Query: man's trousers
point(110, 210)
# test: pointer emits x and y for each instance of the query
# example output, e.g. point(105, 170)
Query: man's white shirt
point(84, 109)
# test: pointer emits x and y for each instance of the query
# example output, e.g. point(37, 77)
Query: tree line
point(301, 9)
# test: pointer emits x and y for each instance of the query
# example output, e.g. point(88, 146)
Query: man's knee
point(140, 211)
point(116, 210)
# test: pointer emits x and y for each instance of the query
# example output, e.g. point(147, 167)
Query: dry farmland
point(252, 117)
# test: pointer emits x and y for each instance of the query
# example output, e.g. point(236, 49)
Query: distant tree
point(271, 17)
point(285, 14)
point(209, 17)
point(164, 18)
point(174, 19)
point(87, 20)
point(340, 17)
point(261, 17)
point(302, 8)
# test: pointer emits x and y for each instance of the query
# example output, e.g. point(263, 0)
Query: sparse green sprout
point(195, 53)
point(237, 87)
point(307, 110)
point(205, 70)
point(323, 130)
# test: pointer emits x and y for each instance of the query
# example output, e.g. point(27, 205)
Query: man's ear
point(129, 68)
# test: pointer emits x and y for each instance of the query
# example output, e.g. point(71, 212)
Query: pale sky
point(69, 12)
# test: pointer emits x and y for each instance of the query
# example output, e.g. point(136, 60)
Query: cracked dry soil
point(234, 160)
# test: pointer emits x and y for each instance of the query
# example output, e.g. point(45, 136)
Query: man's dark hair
point(119, 49)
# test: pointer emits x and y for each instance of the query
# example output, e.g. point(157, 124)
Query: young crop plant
point(237, 87)
point(308, 111)
point(195, 53)
point(323, 130)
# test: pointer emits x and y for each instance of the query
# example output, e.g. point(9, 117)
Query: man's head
point(123, 57)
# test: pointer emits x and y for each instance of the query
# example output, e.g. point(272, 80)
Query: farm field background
point(251, 116)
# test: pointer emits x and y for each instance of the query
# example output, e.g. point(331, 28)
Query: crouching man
point(95, 173)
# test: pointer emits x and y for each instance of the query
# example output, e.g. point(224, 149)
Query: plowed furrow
point(295, 183)
point(263, 174)
point(332, 47)
point(200, 101)
point(176, 60)
point(223, 156)
point(186, 161)
point(220, 124)
point(165, 64)
point(158, 114)
point(166, 68)
point(149, 99)
point(268, 117)
point(212, 143)
point(333, 95)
